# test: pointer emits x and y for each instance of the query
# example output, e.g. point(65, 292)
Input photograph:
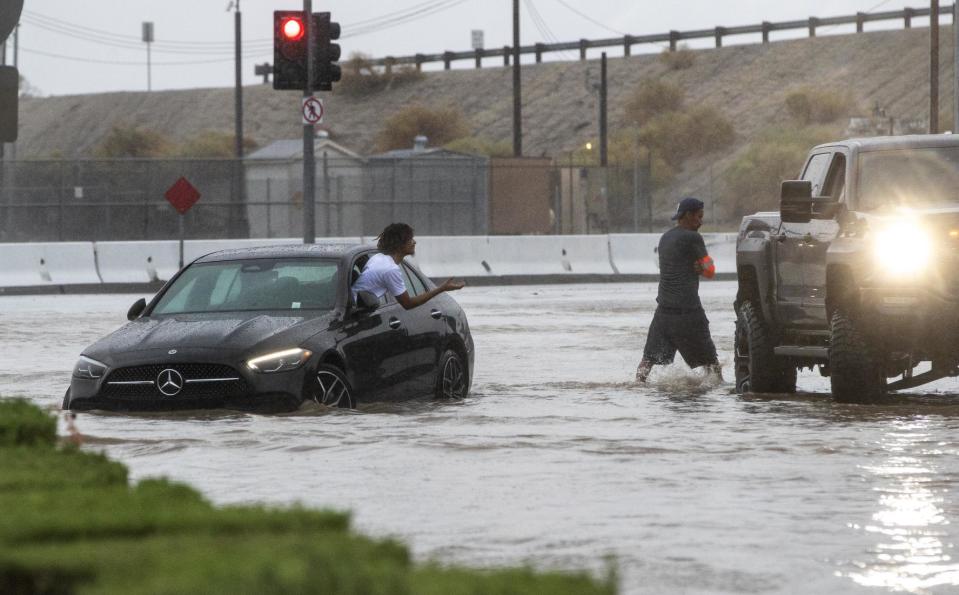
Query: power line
point(540, 23)
point(590, 19)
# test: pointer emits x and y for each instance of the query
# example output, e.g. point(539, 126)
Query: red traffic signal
point(292, 28)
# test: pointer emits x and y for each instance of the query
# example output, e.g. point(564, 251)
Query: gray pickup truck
point(858, 272)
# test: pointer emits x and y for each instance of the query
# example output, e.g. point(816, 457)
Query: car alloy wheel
point(331, 388)
point(452, 380)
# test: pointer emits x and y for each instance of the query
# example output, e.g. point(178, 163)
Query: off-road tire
point(452, 380)
point(758, 369)
point(854, 366)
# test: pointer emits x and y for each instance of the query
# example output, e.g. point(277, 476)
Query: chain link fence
point(101, 200)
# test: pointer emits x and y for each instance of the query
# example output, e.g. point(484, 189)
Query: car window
point(836, 180)
point(254, 284)
point(414, 286)
point(815, 171)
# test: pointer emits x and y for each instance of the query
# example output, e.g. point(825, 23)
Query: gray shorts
point(683, 330)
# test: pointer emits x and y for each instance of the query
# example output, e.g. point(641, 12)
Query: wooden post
point(583, 43)
point(767, 27)
point(627, 45)
point(813, 23)
point(860, 19)
point(673, 39)
point(447, 60)
point(539, 52)
point(720, 31)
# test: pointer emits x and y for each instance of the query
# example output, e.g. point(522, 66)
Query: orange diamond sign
point(182, 195)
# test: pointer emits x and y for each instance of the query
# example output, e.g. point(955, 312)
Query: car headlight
point(902, 249)
point(279, 361)
point(88, 368)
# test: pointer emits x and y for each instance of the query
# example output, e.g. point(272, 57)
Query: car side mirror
point(136, 309)
point(366, 302)
point(795, 204)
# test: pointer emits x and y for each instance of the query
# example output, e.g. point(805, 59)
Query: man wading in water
point(680, 322)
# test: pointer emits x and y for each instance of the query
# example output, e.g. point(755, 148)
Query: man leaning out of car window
point(382, 272)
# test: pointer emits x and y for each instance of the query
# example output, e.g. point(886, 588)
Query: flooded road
point(558, 459)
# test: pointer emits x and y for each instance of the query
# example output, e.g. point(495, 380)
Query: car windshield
point(255, 284)
point(908, 178)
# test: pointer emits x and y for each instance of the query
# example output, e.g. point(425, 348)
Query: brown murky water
point(559, 460)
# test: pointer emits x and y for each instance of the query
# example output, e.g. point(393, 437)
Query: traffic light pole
point(309, 159)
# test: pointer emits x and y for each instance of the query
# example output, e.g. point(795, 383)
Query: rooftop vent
point(419, 143)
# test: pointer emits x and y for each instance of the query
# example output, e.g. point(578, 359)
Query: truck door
point(791, 241)
point(822, 232)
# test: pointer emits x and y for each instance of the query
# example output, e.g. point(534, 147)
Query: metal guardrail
point(672, 37)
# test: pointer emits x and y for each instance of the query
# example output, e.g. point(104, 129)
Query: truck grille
point(199, 381)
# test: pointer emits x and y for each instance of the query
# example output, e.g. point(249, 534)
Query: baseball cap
point(688, 204)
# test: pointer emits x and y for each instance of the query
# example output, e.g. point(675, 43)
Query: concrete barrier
point(635, 254)
point(37, 264)
point(550, 255)
point(137, 262)
point(453, 256)
point(722, 247)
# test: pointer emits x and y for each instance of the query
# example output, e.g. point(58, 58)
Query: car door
point(375, 345)
point(823, 230)
point(425, 327)
point(790, 243)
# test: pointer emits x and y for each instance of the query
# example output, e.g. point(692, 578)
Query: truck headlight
point(279, 361)
point(89, 369)
point(902, 249)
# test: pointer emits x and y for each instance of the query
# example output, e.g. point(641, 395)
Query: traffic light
point(326, 53)
point(289, 49)
point(9, 90)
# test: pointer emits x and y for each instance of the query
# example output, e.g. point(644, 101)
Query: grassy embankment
point(71, 523)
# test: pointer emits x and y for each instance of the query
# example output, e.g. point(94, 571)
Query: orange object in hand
point(706, 267)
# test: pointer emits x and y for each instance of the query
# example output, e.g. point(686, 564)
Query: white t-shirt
point(381, 274)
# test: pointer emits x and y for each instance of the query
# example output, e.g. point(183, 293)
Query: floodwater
point(559, 460)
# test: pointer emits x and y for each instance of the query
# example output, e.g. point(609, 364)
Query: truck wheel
point(757, 367)
point(854, 367)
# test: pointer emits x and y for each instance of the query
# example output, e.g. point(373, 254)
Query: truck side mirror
point(795, 204)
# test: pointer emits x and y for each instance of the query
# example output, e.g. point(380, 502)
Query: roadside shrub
point(212, 144)
point(818, 106)
point(652, 99)
point(476, 145)
point(680, 59)
point(23, 424)
point(752, 182)
point(131, 141)
point(439, 125)
point(676, 137)
point(362, 79)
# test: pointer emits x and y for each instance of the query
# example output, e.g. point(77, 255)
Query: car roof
point(323, 250)
point(886, 143)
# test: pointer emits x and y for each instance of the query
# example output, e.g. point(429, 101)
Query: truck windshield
point(908, 177)
point(255, 284)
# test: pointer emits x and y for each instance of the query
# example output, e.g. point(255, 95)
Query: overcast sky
point(89, 46)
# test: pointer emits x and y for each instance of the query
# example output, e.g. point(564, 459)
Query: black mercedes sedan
point(266, 329)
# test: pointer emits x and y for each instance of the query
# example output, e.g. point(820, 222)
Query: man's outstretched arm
point(409, 303)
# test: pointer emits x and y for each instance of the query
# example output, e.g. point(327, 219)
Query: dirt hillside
point(747, 83)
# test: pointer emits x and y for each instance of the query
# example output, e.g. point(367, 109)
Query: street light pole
point(148, 39)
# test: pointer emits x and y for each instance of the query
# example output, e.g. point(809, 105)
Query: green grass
point(71, 524)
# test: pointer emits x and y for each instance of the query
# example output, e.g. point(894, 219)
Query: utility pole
point(239, 196)
point(517, 91)
point(238, 95)
point(955, 61)
point(309, 159)
point(934, 67)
